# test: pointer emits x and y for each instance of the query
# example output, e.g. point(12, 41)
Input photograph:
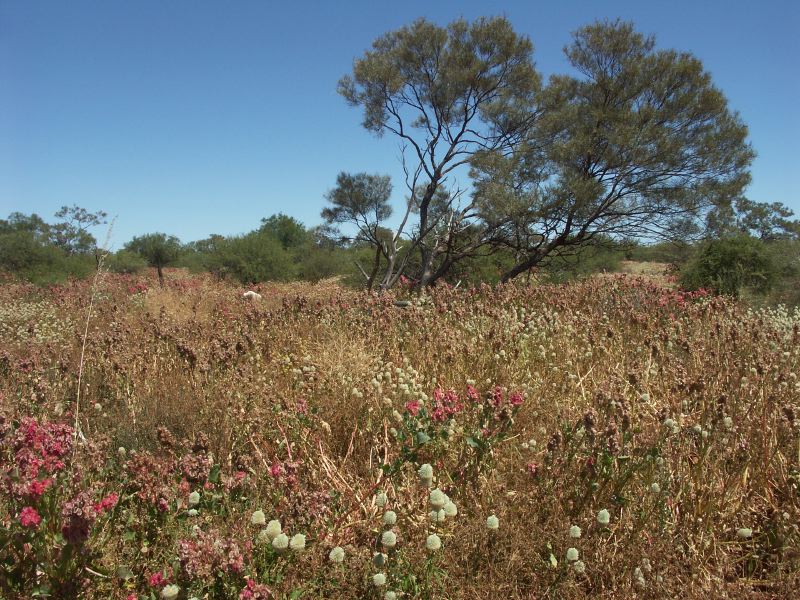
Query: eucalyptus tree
point(768, 221)
point(158, 249)
point(72, 233)
point(362, 201)
point(446, 93)
point(639, 143)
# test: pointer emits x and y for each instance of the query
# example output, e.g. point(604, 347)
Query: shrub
point(252, 258)
point(730, 264)
point(126, 262)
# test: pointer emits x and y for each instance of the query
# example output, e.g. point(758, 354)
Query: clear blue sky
point(199, 117)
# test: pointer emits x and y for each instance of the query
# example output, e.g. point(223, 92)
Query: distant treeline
point(735, 261)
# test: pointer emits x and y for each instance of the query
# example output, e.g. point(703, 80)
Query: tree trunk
point(522, 267)
point(160, 275)
point(375, 266)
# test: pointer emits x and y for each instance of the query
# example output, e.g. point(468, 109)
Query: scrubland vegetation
point(467, 402)
point(612, 437)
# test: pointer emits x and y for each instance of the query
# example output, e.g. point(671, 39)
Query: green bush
point(604, 256)
point(321, 263)
point(731, 264)
point(126, 262)
point(252, 258)
point(26, 257)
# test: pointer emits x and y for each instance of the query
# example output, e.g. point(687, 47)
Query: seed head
point(280, 543)
point(273, 529)
point(433, 543)
point(425, 474)
point(298, 542)
point(572, 554)
point(336, 555)
point(437, 499)
point(437, 516)
point(170, 592)
point(389, 539)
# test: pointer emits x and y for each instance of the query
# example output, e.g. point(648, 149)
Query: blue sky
point(200, 117)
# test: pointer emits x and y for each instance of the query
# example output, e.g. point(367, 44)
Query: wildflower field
point(610, 438)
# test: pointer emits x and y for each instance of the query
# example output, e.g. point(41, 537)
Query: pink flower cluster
point(80, 513)
point(29, 517)
point(445, 405)
point(514, 398)
point(208, 554)
point(39, 452)
point(158, 580)
point(682, 298)
point(255, 591)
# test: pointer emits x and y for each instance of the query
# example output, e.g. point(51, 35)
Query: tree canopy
point(158, 249)
point(638, 142)
point(446, 93)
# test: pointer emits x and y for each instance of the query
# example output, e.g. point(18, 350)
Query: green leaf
point(124, 572)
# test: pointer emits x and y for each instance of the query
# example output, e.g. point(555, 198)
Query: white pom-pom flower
point(433, 543)
point(336, 555)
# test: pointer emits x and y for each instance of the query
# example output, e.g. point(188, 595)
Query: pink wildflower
point(107, 503)
point(413, 407)
point(497, 397)
point(29, 517)
point(38, 487)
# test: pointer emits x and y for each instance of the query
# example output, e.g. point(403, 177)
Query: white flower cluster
point(273, 534)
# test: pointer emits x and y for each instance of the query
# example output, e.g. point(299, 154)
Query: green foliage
point(25, 255)
point(287, 230)
point(252, 258)
point(785, 254)
point(361, 200)
point(730, 264)
point(671, 252)
point(158, 249)
point(766, 221)
point(319, 263)
point(125, 261)
point(72, 233)
point(639, 143)
point(447, 93)
point(601, 256)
